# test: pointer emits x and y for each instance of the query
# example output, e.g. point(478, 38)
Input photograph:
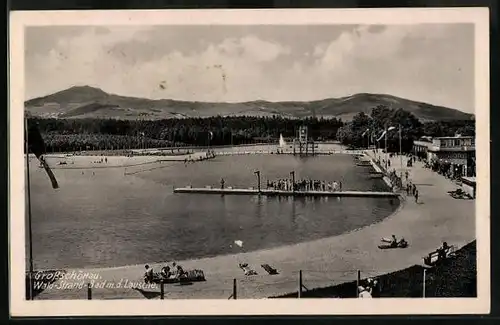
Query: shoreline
point(336, 258)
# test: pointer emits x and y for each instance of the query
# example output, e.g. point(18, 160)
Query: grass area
point(454, 277)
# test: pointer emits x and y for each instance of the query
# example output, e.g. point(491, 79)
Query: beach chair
point(247, 270)
point(433, 257)
point(269, 269)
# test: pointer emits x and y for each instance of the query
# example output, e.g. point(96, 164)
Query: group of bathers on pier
point(304, 185)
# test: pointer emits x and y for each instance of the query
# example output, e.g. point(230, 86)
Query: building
point(456, 154)
point(421, 147)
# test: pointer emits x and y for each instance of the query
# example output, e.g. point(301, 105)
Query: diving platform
point(272, 192)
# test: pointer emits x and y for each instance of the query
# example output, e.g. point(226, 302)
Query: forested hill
point(90, 102)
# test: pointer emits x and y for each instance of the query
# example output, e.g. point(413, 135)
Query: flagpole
point(400, 153)
point(386, 151)
point(28, 198)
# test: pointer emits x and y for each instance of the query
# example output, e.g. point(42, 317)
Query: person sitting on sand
point(180, 270)
point(364, 292)
point(149, 272)
point(173, 270)
point(165, 271)
point(442, 251)
point(394, 241)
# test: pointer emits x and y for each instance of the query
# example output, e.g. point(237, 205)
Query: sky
point(432, 63)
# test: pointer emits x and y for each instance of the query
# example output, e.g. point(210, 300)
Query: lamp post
point(292, 173)
point(257, 172)
point(367, 133)
point(386, 150)
point(210, 135)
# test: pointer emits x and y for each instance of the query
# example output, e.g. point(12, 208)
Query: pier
point(272, 192)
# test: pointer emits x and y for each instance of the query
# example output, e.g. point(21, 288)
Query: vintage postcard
point(249, 162)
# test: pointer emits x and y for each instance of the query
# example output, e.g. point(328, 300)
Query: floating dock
point(271, 192)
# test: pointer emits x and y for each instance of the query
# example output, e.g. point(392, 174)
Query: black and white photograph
point(249, 161)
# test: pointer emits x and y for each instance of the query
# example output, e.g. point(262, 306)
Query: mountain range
point(91, 102)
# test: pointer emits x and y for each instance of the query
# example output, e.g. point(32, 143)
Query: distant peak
point(86, 88)
point(72, 94)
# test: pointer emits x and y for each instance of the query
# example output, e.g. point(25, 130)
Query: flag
point(365, 132)
point(211, 134)
point(36, 145)
point(239, 243)
point(381, 136)
point(385, 132)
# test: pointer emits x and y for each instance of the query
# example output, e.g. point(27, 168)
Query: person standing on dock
point(222, 182)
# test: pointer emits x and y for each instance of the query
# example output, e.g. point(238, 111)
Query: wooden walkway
point(272, 192)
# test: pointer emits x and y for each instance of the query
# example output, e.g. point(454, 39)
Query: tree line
point(87, 134)
point(364, 130)
point(63, 135)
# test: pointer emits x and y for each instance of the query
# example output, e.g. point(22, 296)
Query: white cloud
point(400, 60)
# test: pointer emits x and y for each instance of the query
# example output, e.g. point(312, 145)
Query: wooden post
point(234, 289)
point(358, 281)
point(300, 285)
point(89, 292)
point(423, 284)
point(162, 291)
point(258, 180)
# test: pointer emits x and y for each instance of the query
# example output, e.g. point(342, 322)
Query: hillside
point(89, 102)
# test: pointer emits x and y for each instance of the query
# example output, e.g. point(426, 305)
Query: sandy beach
point(323, 262)
point(90, 162)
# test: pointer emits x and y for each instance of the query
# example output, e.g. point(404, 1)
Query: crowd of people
point(166, 272)
point(396, 181)
point(209, 155)
point(447, 169)
point(304, 185)
point(101, 160)
point(369, 289)
point(411, 190)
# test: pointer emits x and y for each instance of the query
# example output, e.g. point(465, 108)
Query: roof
point(469, 181)
point(457, 137)
point(455, 149)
